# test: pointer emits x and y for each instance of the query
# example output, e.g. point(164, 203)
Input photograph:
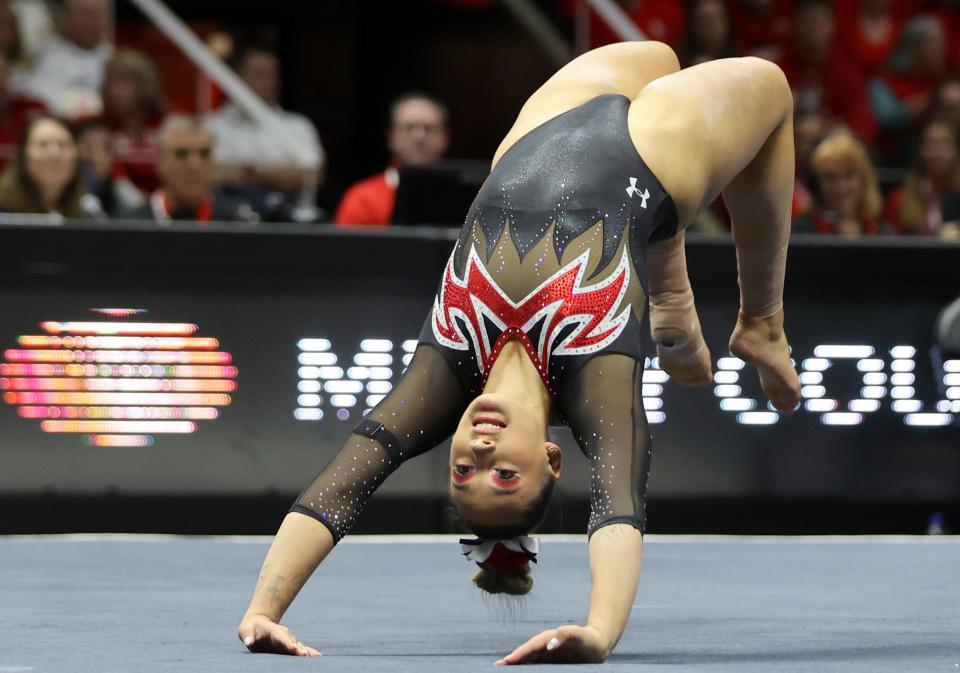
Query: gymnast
point(540, 317)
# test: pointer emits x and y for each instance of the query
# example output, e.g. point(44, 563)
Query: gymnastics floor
point(78, 604)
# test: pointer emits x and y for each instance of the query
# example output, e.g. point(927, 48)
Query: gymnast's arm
point(419, 413)
point(603, 405)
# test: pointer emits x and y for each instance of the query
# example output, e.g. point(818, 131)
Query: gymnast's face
point(500, 460)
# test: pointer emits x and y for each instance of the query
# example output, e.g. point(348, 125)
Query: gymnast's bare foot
point(682, 351)
point(762, 343)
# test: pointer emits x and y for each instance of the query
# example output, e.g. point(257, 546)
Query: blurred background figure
point(917, 206)
point(34, 27)
point(250, 163)
point(134, 104)
point(820, 75)
point(848, 199)
point(946, 102)
point(809, 128)
point(763, 27)
point(68, 70)
point(186, 176)
point(868, 31)
point(15, 111)
point(104, 180)
point(707, 34)
point(45, 176)
point(900, 95)
point(418, 134)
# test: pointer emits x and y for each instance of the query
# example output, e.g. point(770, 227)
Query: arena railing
point(238, 92)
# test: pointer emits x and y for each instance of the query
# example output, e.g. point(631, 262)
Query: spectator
point(186, 173)
point(249, 159)
point(69, 70)
point(418, 134)
point(15, 112)
point(763, 27)
point(947, 13)
point(820, 76)
point(134, 104)
point(809, 128)
point(917, 206)
point(849, 200)
point(44, 177)
point(708, 34)
point(946, 102)
point(868, 30)
point(104, 180)
point(900, 95)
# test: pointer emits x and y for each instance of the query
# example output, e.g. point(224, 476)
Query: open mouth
point(488, 424)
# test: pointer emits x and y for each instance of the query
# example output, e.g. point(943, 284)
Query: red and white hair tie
point(502, 555)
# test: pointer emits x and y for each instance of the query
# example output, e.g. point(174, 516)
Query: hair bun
point(514, 582)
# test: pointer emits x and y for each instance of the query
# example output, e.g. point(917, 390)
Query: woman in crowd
point(134, 104)
point(848, 199)
point(541, 315)
point(916, 207)
point(44, 177)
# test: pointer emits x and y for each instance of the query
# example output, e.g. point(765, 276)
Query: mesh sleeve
point(419, 413)
point(603, 405)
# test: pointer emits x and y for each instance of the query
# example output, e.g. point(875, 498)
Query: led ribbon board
point(365, 379)
point(118, 381)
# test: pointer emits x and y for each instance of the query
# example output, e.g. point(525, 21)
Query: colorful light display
point(117, 383)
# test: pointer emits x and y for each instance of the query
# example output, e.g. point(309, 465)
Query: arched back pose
point(540, 315)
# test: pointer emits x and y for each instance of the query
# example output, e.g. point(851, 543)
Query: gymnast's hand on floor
point(261, 634)
point(763, 343)
point(568, 644)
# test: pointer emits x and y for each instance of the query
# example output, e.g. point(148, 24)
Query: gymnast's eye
point(461, 473)
point(504, 477)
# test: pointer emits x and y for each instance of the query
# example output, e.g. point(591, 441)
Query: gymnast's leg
point(623, 68)
point(726, 126)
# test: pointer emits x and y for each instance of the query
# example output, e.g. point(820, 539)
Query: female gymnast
point(540, 315)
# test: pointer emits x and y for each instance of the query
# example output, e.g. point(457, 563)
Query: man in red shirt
point(418, 134)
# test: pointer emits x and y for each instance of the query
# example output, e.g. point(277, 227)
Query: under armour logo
point(633, 191)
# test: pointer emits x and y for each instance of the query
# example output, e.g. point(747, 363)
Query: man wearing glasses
point(186, 173)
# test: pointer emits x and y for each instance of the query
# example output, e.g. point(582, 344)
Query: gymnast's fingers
point(530, 651)
point(283, 641)
point(312, 651)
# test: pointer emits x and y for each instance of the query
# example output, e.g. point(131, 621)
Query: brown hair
point(842, 146)
point(514, 582)
point(137, 66)
point(18, 191)
point(913, 209)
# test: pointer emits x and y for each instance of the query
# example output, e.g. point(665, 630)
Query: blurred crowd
point(877, 101)
point(85, 129)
